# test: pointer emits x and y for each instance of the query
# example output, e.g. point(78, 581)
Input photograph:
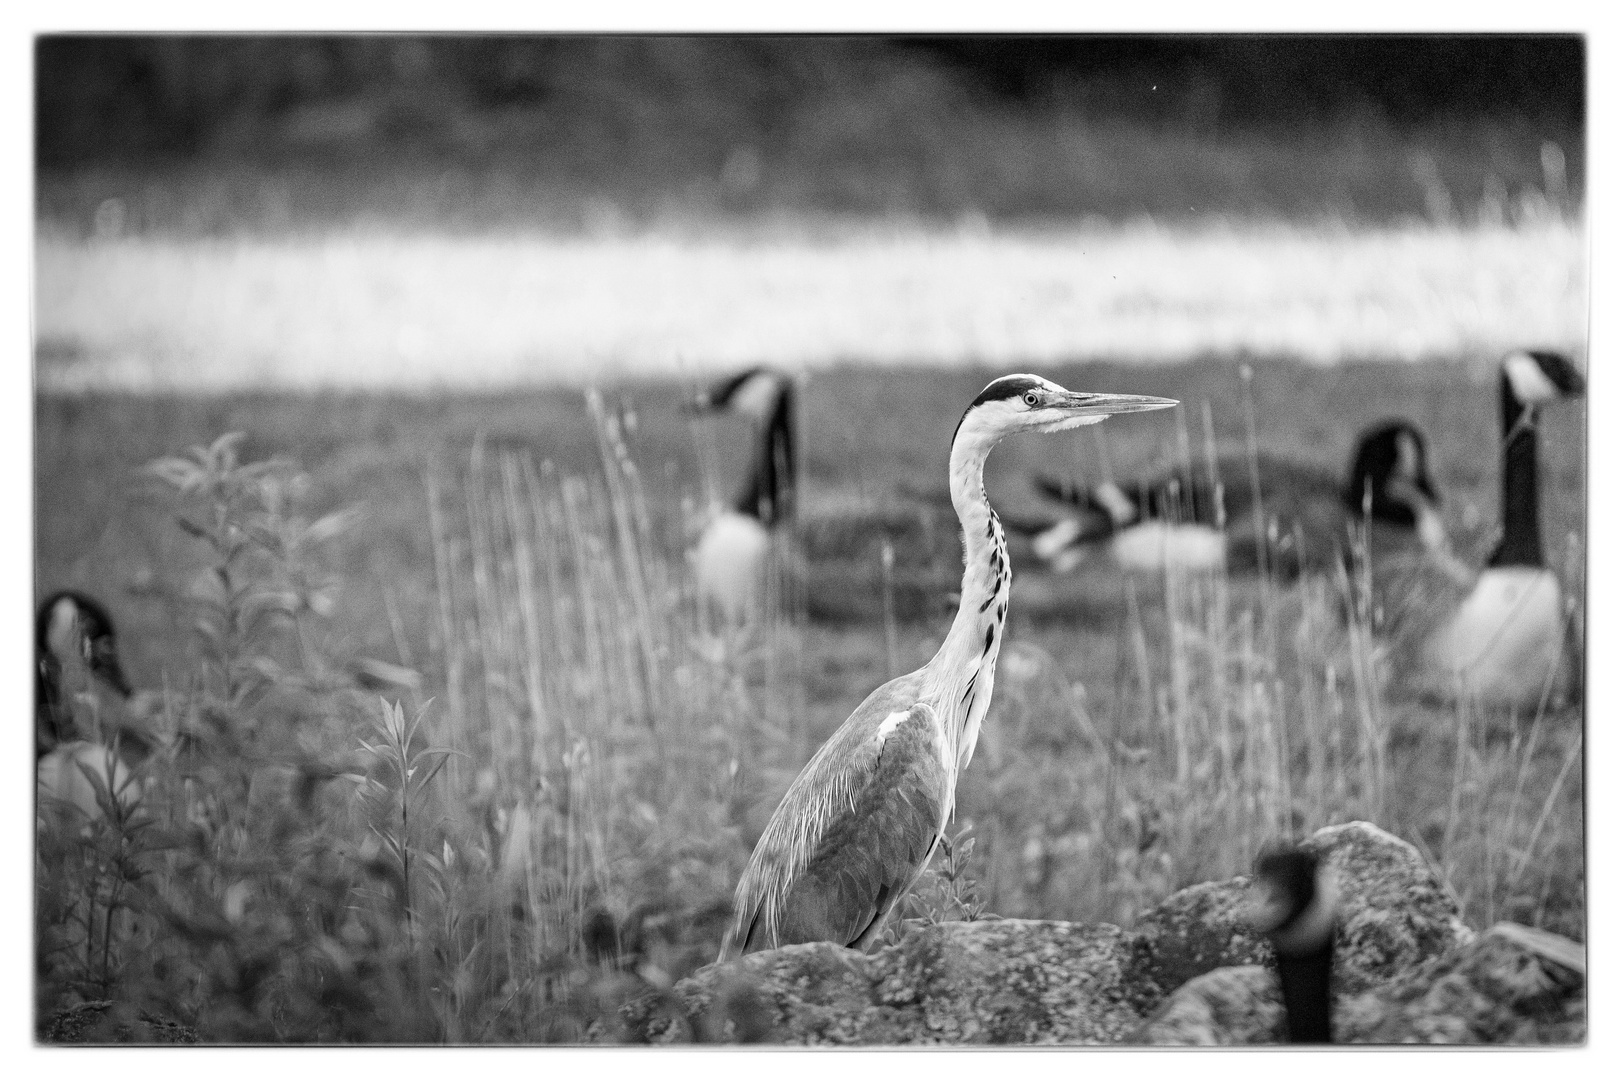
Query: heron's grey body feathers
point(854, 830)
point(858, 825)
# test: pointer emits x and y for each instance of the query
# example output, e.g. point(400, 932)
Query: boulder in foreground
point(1192, 973)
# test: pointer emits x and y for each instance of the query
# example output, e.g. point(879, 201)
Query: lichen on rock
point(1192, 972)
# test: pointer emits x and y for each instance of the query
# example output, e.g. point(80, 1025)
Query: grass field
point(613, 757)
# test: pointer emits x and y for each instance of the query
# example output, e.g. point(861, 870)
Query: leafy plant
point(406, 774)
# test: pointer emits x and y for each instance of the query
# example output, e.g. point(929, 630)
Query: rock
point(1513, 984)
point(1230, 1006)
point(99, 1023)
point(1003, 981)
point(1406, 968)
point(1199, 929)
point(1394, 911)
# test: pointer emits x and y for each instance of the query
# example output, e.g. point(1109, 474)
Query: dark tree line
point(121, 97)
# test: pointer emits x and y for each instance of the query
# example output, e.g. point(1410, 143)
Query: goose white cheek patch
point(62, 632)
point(757, 397)
point(1530, 384)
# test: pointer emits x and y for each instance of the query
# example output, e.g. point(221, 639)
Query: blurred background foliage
point(1003, 126)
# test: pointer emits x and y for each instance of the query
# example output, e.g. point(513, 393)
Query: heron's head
point(1015, 403)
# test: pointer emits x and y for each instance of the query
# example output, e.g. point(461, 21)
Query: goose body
point(860, 822)
point(731, 558)
point(1502, 639)
point(1141, 548)
point(1306, 512)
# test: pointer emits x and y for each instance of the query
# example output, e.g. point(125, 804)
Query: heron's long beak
point(1078, 404)
point(1077, 410)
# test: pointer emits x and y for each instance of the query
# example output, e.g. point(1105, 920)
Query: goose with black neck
point(1504, 642)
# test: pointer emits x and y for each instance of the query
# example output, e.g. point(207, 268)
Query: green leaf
point(176, 472)
point(331, 525)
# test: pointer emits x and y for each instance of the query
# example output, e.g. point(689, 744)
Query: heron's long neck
point(962, 673)
point(1521, 497)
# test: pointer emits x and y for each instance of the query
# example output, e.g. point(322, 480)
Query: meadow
point(450, 752)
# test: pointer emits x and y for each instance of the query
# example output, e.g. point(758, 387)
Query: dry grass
point(311, 871)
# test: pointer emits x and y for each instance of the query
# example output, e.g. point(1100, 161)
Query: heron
point(1190, 524)
point(732, 553)
point(74, 645)
point(1296, 908)
point(860, 822)
point(1499, 637)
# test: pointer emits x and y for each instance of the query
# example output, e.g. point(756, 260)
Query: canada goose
point(731, 556)
point(1500, 640)
point(1171, 521)
point(74, 646)
point(1296, 908)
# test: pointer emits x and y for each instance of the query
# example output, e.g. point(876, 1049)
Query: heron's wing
point(851, 834)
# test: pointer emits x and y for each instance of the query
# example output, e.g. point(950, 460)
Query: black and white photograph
point(803, 540)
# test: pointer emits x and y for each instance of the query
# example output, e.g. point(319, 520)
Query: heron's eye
point(1032, 399)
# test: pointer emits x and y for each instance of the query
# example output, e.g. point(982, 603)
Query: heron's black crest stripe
point(1008, 386)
